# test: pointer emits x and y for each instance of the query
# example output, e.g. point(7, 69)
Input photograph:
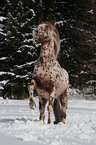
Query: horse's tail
point(57, 111)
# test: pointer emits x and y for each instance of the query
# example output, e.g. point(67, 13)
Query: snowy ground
point(19, 125)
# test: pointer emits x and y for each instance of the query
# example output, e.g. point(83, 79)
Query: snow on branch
point(26, 64)
point(3, 58)
point(8, 73)
point(2, 18)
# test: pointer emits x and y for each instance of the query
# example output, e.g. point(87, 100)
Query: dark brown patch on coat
point(44, 84)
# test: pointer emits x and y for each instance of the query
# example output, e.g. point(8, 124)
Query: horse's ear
point(40, 21)
point(53, 23)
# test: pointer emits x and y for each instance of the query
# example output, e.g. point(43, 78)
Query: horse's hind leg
point(50, 106)
point(64, 102)
point(42, 104)
point(31, 88)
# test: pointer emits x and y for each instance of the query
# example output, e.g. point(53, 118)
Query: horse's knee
point(32, 85)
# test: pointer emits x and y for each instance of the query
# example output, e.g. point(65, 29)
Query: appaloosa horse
point(49, 79)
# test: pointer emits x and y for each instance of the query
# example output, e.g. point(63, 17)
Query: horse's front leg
point(50, 106)
point(42, 104)
point(31, 88)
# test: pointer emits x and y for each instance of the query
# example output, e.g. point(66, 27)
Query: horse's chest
point(52, 71)
point(47, 70)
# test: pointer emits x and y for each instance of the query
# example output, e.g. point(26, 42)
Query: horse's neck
point(47, 52)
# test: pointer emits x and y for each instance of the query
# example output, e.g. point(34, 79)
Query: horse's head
point(44, 32)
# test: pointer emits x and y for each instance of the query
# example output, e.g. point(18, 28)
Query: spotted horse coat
point(49, 79)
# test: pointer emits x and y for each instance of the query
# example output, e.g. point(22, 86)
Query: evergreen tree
point(3, 34)
point(21, 51)
point(77, 33)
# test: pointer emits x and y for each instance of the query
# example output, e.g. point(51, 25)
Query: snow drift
point(20, 125)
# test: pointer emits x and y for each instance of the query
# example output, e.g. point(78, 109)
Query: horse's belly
point(61, 82)
point(43, 93)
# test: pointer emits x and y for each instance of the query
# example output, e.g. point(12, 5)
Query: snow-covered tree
point(3, 34)
point(20, 47)
point(77, 32)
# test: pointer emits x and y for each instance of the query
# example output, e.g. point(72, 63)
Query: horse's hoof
point(63, 120)
point(56, 122)
point(49, 121)
point(31, 106)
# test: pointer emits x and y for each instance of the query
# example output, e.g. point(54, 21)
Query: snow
point(60, 22)
point(3, 58)
point(19, 51)
point(9, 73)
point(20, 125)
point(91, 81)
point(26, 64)
point(4, 82)
point(28, 46)
point(3, 33)
point(1, 88)
point(91, 11)
point(28, 40)
point(1, 29)
point(33, 12)
point(2, 18)
point(82, 72)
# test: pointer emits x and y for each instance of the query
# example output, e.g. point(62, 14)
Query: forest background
point(76, 23)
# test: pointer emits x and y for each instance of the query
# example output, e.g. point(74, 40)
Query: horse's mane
point(55, 37)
